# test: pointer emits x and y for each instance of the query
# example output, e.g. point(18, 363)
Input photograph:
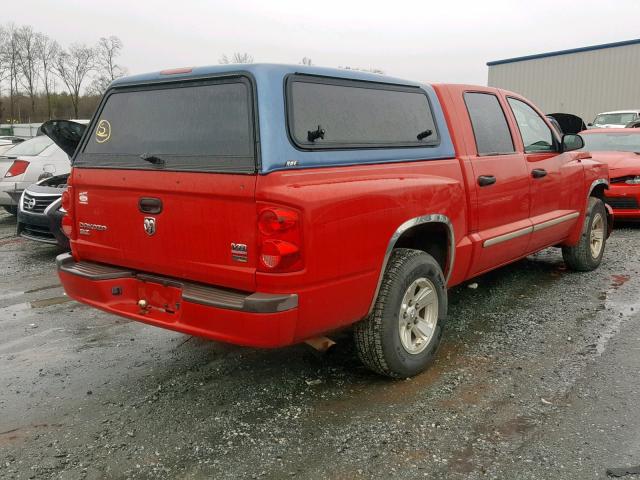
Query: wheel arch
point(432, 234)
point(597, 190)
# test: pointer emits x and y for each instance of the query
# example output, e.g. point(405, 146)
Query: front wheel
point(587, 254)
point(401, 336)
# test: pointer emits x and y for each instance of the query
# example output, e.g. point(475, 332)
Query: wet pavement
point(537, 378)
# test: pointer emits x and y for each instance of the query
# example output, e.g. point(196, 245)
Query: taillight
point(66, 200)
point(18, 167)
point(279, 239)
point(67, 205)
point(67, 226)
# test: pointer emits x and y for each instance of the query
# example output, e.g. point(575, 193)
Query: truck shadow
point(471, 311)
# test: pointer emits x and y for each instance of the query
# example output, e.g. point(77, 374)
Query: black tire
point(580, 257)
point(377, 337)
point(12, 209)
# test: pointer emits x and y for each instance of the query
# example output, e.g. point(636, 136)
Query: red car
point(266, 205)
point(620, 149)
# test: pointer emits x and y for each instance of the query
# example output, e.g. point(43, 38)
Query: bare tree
point(73, 67)
point(3, 63)
point(237, 57)
point(306, 61)
point(9, 54)
point(28, 62)
point(47, 50)
point(107, 51)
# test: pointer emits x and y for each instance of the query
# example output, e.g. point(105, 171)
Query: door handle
point(150, 205)
point(485, 180)
point(538, 173)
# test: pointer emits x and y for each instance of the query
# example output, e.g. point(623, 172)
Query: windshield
point(35, 146)
point(615, 118)
point(617, 142)
point(204, 126)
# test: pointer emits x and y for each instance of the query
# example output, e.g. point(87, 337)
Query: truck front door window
point(536, 135)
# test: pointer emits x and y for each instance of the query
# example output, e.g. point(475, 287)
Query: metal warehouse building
point(583, 81)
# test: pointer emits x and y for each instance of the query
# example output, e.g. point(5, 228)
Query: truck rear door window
point(204, 126)
point(490, 127)
point(332, 113)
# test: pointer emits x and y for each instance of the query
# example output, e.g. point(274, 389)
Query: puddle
point(617, 310)
point(10, 240)
point(619, 280)
point(18, 434)
point(19, 293)
point(463, 461)
point(8, 295)
point(39, 289)
point(45, 302)
point(514, 427)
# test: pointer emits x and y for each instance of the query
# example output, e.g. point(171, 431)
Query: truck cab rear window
point(328, 113)
point(190, 126)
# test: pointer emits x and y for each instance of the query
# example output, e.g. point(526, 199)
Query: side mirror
point(572, 142)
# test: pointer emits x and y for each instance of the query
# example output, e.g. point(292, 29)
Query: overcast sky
point(418, 40)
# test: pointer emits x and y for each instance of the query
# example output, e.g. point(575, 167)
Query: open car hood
point(64, 133)
point(568, 122)
point(57, 181)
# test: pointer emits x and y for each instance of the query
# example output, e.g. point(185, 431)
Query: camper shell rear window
point(204, 126)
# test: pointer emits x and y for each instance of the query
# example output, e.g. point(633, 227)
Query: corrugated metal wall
point(583, 83)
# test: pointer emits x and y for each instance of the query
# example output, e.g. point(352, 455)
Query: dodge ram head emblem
point(150, 225)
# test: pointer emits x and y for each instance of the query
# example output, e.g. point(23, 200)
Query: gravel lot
point(537, 378)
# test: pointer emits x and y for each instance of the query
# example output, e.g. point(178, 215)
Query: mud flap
point(610, 219)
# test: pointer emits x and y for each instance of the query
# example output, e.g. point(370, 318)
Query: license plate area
point(157, 296)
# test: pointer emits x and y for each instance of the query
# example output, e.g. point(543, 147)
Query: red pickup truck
point(266, 205)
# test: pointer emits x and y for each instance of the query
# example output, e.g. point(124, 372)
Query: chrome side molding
point(555, 221)
point(506, 237)
point(527, 230)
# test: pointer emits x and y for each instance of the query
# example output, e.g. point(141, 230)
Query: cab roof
point(257, 70)
point(277, 152)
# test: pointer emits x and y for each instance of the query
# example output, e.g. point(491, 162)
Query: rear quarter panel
point(349, 216)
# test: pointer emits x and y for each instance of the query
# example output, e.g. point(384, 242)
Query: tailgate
point(164, 181)
point(202, 215)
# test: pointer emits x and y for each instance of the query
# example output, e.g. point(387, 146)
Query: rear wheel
point(587, 254)
point(400, 337)
point(12, 209)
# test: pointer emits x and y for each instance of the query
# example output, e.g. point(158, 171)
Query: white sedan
point(8, 142)
point(617, 119)
point(26, 163)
